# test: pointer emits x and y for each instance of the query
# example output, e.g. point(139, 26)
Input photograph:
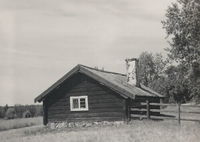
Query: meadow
point(32, 130)
point(135, 131)
point(19, 123)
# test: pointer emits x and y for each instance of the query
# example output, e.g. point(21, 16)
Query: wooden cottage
point(89, 94)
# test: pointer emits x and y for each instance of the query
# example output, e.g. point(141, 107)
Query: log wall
point(103, 103)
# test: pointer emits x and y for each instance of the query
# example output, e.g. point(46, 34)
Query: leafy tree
point(163, 77)
point(146, 66)
point(177, 84)
point(182, 27)
point(151, 67)
point(10, 113)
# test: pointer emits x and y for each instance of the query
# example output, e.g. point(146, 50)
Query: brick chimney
point(132, 67)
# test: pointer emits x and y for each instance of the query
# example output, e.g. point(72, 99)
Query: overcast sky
point(41, 40)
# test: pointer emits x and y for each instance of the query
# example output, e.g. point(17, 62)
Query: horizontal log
point(138, 112)
point(139, 115)
point(93, 105)
point(84, 115)
point(107, 100)
point(93, 95)
point(86, 85)
point(161, 110)
point(78, 93)
point(100, 114)
point(194, 112)
point(91, 101)
point(87, 88)
point(163, 118)
point(187, 119)
point(138, 109)
point(108, 106)
point(89, 119)
point(160, 104)
point(195, 106)
point(94, 109)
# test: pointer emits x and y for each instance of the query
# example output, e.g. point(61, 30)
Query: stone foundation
point(58, 125)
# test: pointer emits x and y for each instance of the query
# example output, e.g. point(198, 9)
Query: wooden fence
point(160, 111)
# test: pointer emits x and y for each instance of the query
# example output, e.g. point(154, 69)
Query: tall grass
point(19, 123)
point(137, 131)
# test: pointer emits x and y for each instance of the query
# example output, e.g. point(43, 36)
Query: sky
point(41, 40)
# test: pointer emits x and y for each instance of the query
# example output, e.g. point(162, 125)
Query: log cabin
point(90, 94)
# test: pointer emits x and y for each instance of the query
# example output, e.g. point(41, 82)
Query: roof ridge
point(102, 70)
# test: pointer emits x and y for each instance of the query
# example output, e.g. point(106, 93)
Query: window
point(79, 103)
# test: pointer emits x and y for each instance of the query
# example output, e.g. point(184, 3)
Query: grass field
point(19, 123)
point(136, 131)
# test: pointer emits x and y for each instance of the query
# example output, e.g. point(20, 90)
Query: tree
point(182, 27)
point(146, 67)
point(10, 113)
point(177, 84)
point(151, 67)
point(165, 78)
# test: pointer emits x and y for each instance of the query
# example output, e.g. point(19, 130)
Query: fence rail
point(147, 110)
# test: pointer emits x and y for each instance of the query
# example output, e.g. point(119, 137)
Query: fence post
point(148, 109)
point(179, 113)
point(128, 110)
point(129, 113)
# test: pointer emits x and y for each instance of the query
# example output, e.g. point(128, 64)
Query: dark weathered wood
point(112, 86)
point(88, 115)
point(86, 119)
point(194, 112)
point(197, 106)
point(179, 113)
point(141, 106)
point(139, 112)
point(148, 109)
point(128, 111)
point(91, 110)
point(159, 104)
point(188, 119)
point(93, 102)
point(45, 113)
point(163, 118)
point(138, 109)
point(151, 99)
point(104, 104)
point(163, 110)
point(139, 115)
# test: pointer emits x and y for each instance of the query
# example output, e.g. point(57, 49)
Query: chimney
point(132, 66)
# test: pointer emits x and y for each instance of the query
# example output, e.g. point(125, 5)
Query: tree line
point(20, 111)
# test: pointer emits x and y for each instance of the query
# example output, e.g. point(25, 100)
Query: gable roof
point(115, 81)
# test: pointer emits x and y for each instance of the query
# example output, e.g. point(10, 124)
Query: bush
point(10, 113)
point(2, 112)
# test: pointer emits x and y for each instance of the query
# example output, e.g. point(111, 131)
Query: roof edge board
point(62, 79)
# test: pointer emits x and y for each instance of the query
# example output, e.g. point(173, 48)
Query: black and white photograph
point(99, 70)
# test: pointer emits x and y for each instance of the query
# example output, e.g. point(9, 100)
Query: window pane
point(82, 103)
point(75, 103)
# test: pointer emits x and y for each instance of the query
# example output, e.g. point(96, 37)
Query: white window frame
point(79, 108)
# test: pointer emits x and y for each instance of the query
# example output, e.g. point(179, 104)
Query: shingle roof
point(115, 81)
